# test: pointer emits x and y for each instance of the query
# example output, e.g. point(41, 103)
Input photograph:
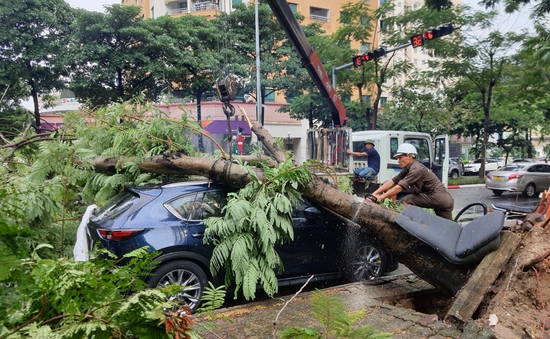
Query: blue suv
point(170, 219)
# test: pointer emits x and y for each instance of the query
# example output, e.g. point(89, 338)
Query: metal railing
point(319, 18)
point(204, 6)
point(178, 11)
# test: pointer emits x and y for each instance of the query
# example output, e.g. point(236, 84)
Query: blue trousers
point(366, 173)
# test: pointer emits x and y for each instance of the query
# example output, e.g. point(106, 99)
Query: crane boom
point(310, 60)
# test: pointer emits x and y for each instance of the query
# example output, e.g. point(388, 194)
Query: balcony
point(178, 11)
point(204, 6)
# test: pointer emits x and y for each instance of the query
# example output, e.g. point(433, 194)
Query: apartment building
point(325, 12)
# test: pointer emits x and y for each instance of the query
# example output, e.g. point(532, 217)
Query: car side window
point(546, 168)
point(534, 169)
point(394, 143)
point(423, 149)
point(182, 206)
point(212, 204)
point(298, 210)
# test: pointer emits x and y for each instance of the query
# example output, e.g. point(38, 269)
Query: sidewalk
point(256, 319)
point(465, 186)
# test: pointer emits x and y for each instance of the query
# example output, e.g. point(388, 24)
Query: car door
point(440, 164)
point(192, 210)
point(304, 255)
point(539, 175)
point(546, 177)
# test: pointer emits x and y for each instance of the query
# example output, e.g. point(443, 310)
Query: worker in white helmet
point(427, 190)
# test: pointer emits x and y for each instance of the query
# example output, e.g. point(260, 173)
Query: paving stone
point(256, 319)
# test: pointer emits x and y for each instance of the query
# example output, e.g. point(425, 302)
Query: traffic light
point(377, 53)
point(418, 39)
point(438, 32)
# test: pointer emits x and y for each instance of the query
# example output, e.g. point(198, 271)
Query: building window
point(234, 2)
point(382, 25)
point(399, 4)
point(293, 8)
point(319, 14)
point(383, 101)
point(365, 99)
point(270, 97)
point(382, 2)
point(365, 47)
point(365, 22)
point(153, 12)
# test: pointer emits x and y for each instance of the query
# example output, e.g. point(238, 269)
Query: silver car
point(525, 177)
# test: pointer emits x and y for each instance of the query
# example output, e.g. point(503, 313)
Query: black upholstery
point(459, 245)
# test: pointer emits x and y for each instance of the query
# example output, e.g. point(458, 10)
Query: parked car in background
point(170, 219)
point(525, 177)
point(524, 160)
point(491, 164)
point(456, 168)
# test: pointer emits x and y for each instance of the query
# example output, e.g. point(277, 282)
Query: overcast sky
point(91, 5)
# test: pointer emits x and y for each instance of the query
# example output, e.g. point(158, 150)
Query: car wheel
point(184, 273)
point(454, 174)
point(529, 191)
point(497, 192)
point(368, 263)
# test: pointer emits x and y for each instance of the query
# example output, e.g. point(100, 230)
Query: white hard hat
point(405, 148)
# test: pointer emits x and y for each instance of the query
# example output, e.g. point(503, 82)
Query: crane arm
point(309, 59)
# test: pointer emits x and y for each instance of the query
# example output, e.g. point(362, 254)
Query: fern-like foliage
point(256, 218)
point(212, 298)
point(95, 299)
point(335, 321)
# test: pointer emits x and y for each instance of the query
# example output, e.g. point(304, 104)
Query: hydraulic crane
point(310, 60)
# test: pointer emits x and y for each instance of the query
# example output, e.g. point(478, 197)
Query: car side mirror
point(312, 213)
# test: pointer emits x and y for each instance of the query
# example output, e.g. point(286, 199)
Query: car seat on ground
point(458, 244)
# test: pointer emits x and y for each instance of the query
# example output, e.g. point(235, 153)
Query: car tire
point(368, 263)
point(185, 273)
point(530, 191)
point(454, 175)
point(497, 192)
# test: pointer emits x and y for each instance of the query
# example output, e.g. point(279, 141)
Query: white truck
point(432, 153)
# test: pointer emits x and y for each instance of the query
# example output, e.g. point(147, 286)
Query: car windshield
point(477, 161)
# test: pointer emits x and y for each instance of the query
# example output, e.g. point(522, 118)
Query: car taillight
point(488, 176)
point(514, 176)
point(118, 235)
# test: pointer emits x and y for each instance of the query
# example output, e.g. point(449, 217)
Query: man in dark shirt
point(373, 161)
point(427, 190)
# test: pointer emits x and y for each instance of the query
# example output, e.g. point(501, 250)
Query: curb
point(464, 186)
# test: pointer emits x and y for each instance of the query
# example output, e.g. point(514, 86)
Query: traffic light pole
point(336, 69)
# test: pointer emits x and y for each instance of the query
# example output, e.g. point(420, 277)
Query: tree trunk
point(379, 221)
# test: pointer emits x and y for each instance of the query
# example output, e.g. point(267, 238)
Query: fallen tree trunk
point(379, 222)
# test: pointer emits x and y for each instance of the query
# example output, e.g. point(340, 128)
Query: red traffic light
point(418, 40)
point(377, 53)
point(438, 32)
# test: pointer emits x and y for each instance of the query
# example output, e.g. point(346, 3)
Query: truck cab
point(431, 153)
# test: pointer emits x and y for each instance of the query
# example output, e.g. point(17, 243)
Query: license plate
point(497, 178)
